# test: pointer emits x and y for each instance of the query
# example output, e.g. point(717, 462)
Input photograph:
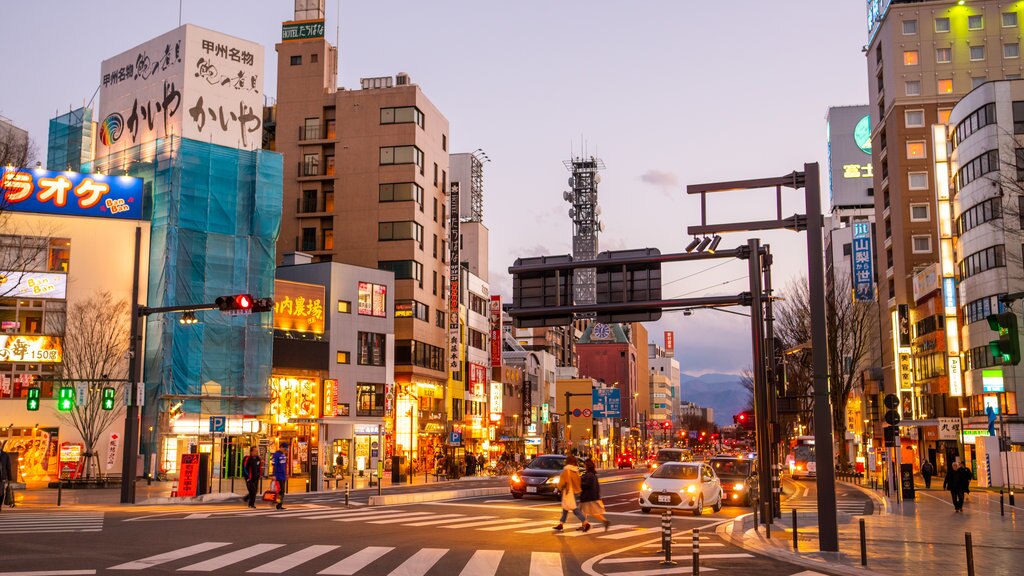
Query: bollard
point(755, 515)
point(863, 544)
point(970, 553)
point(346, 491)
point(666, 538)
point(696, 551)
point(1002, 511)
point(796, 545)
point(60, 485)
point(379, 483)
point(768, 530)
point(1012, 503)
point(307, 485)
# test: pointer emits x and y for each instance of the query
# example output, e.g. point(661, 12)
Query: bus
point(801, 457)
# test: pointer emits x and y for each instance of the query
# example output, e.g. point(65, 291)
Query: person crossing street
point(252, 469)
point(590, 496)
point(569, 485)
point(280, 463)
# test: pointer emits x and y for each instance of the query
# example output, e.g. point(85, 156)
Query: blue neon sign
point(71, 193)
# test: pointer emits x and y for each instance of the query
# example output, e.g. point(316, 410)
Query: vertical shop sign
point(454, 274)
point(330, 398)
point(112, 450)
point(495, 318)
point(188, 477)
point(863, 276)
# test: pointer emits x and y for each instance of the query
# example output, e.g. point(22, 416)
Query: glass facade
point(215, 213)
point(70, 141)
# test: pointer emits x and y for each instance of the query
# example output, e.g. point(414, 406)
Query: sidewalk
point(924, 536)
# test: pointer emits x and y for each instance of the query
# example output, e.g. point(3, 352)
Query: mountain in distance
point(722, 392)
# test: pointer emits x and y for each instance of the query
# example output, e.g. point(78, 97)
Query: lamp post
point(963, 449)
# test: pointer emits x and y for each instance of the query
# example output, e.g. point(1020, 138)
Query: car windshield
point(804, 453)
point(676, 472)
point(547, 464)
point(731, 467)
point(670, 456)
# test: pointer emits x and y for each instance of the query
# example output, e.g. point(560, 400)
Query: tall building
point(922, 57)
point(14, 144)
point(663, 363)
point(71, 140)
point(366, 183)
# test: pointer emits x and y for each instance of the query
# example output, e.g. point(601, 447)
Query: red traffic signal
point(744, 419)
point(667, 425)
point(241, 303)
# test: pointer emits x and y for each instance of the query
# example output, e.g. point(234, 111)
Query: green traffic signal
point(66, 399)
point(108, 398)
point(1007, 347)
point(33, 399)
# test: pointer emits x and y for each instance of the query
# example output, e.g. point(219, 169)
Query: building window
point(977, 53)
point(919, 213)
point(976, 168)
point(344, 357)
point(913, 87)
point(372, 349)
point(977, 81)
point(369, 399)
point(412, 309)
point(402, 115)
point(310, 165)
point(308, 201)
point(403, 269)
point(979, 309)
point(435, 173)
point(477, 340)
point(478, 305)
point(910, 57)
point(914, 118)
point(980, 357)
point(444, 142)
point(982, 260)
point(915, 150)
point(1018, 117)
point(1012, 77)
point(402, 192)
point(296, 60)
point(945, 86)
point(308, 240)
point(847, 249)
point(922, 244)
point(942, 24)
point(1009, 19)
point(1011, 50)
point(390, 155)
point(409, 230)
point(918, 180)
point(909, 27)
point(974, 121)
point(344, 307)
point(975, 22)
point(944, 115)
point(943, 55)
point(1020, 167)
point(373, 299)
point(435, 282)
point(984, 211)
point(439, 318)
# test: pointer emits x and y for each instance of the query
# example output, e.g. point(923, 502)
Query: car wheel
point(645, 510)
point(517, 495)
point(718, 505)
point(700, 507)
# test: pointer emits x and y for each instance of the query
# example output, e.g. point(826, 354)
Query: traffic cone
point(174, 489)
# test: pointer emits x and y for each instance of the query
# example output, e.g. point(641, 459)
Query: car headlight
point(738, 486)
point(516, 479)
point(692, 488)
point(645, 487)
point(552, 480)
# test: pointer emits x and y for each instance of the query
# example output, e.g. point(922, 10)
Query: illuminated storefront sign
point(992, 380)
point(858, 171)
point(330, 398)
point(496, 392)
point(41, 349)
point(298, 307)
point(956, 387)
point(670, 341)
point(947, 263)
point(293, 397)
point(373, 300)
point(863, 271)
point(302, 30)
point(71, 193)
point(33, 285)
point(454, 275)
point(403, 309)
point(495, 317)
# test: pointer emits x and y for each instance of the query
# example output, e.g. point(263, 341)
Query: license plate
point(531, 489)
point(664, 499)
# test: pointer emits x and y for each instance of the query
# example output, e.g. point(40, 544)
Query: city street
point(478, 536)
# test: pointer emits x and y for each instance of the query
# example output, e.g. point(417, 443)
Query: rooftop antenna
point(179, 11)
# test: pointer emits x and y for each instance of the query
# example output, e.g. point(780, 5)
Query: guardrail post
point(1002, 510)
point(756, 505)
point(666, 537)
point(863, 544)
point(696, 551)
point(970, 553)
point(796, 545)
point(60, 486)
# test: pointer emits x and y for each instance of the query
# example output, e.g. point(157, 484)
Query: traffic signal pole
point(131, 417)
point(764, 465)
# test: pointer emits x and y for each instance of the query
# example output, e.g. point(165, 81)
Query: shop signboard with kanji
point(70, 194)
point(299, 307)
point(495, 325)
point(70, 460)
point(189, 82)
point(188, 476)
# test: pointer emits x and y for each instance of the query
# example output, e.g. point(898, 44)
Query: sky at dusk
point(667, 93)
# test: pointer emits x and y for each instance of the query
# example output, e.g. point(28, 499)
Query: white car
point(681, 486)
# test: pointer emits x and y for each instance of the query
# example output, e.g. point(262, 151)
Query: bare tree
point(16, 149)
point(95, 349)
point(747, 383)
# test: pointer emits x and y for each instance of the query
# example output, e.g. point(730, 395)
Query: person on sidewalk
point(252, 469)
point(590, 495)
point(927, 471)
point(470, 464)
point(958, 482)
point(569, 485)
point(280, 463)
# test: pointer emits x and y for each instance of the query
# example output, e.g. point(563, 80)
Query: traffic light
point(109, 394)
point(744, 419)
point(667, 425)
point(263, 305)
point(1007, 347)
point(33, 399)
point(66, 399)
point(238, 304)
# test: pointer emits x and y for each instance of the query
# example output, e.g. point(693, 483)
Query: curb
point(390, 499)
point(883, 501)
point(215, 498)
point(748, 539)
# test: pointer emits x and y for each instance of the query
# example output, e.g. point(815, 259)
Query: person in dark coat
point(470, 464)
point(958, 482)
point(279, 460)
point(927, 471)
point(590, 496)
point(252, 469)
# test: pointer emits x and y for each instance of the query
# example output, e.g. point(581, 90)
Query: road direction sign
point(607, 403)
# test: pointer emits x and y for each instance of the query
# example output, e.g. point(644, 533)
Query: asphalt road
point(479, 537)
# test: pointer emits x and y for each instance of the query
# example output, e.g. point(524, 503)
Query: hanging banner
point(863, 275)
point(454, 275)
point(495, 317)
point(330, 398)
point(112, 450)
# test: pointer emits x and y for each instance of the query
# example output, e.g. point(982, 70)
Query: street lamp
point(963, 449)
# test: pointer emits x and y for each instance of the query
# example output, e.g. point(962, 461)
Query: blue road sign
point(218, 424)
point(455, 439)
point(607, 403)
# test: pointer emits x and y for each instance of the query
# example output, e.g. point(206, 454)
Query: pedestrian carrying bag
point(568, 501)
point(271, 495)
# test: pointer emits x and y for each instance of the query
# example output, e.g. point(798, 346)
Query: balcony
point(313, 170)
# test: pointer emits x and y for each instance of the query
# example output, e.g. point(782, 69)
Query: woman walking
point(569, 486)
point(590, 496)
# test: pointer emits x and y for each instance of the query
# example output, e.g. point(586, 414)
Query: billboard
point(850, 171)
point(302, 30)
point(299, 307)
point(863, 269)
point(190, 82)
point(35, 349)
point(71, 193)
point(495, 322)
point(454, 275)
point(33, 285)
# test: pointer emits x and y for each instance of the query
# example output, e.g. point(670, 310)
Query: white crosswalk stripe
point(46, 522)
point(348, 561)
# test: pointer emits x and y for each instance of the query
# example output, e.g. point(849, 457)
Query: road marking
point(545, 564)
point(419, 563)
point(548, 528)
point(230, 558)
point(809, 573)
point(405, 518)
point(51, 573)
point(661, 571)
point(294, 559)
point(682, 558)
point(169, 556)
point(483, 563)
point(440, 519)
point(630, 533)
point(481, 522)
point(372, 515)
point(578, 533)
point(518, 523)
point(357, 561)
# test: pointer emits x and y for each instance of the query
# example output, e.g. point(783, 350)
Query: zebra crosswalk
point(852, 506)
point(446, 520)
point(45, 522)
point(338, 560)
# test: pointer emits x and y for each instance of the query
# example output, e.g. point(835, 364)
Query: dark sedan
point(739, 478)
point(539, 478)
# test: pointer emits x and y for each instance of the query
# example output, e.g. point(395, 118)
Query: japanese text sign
point(863, 275)
point(454, 275)
point(607, 403)
point(188, 476)
point(302, 30)
point(71, 193)
point(41, 349)
point(298, 307)
point(495, 322)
